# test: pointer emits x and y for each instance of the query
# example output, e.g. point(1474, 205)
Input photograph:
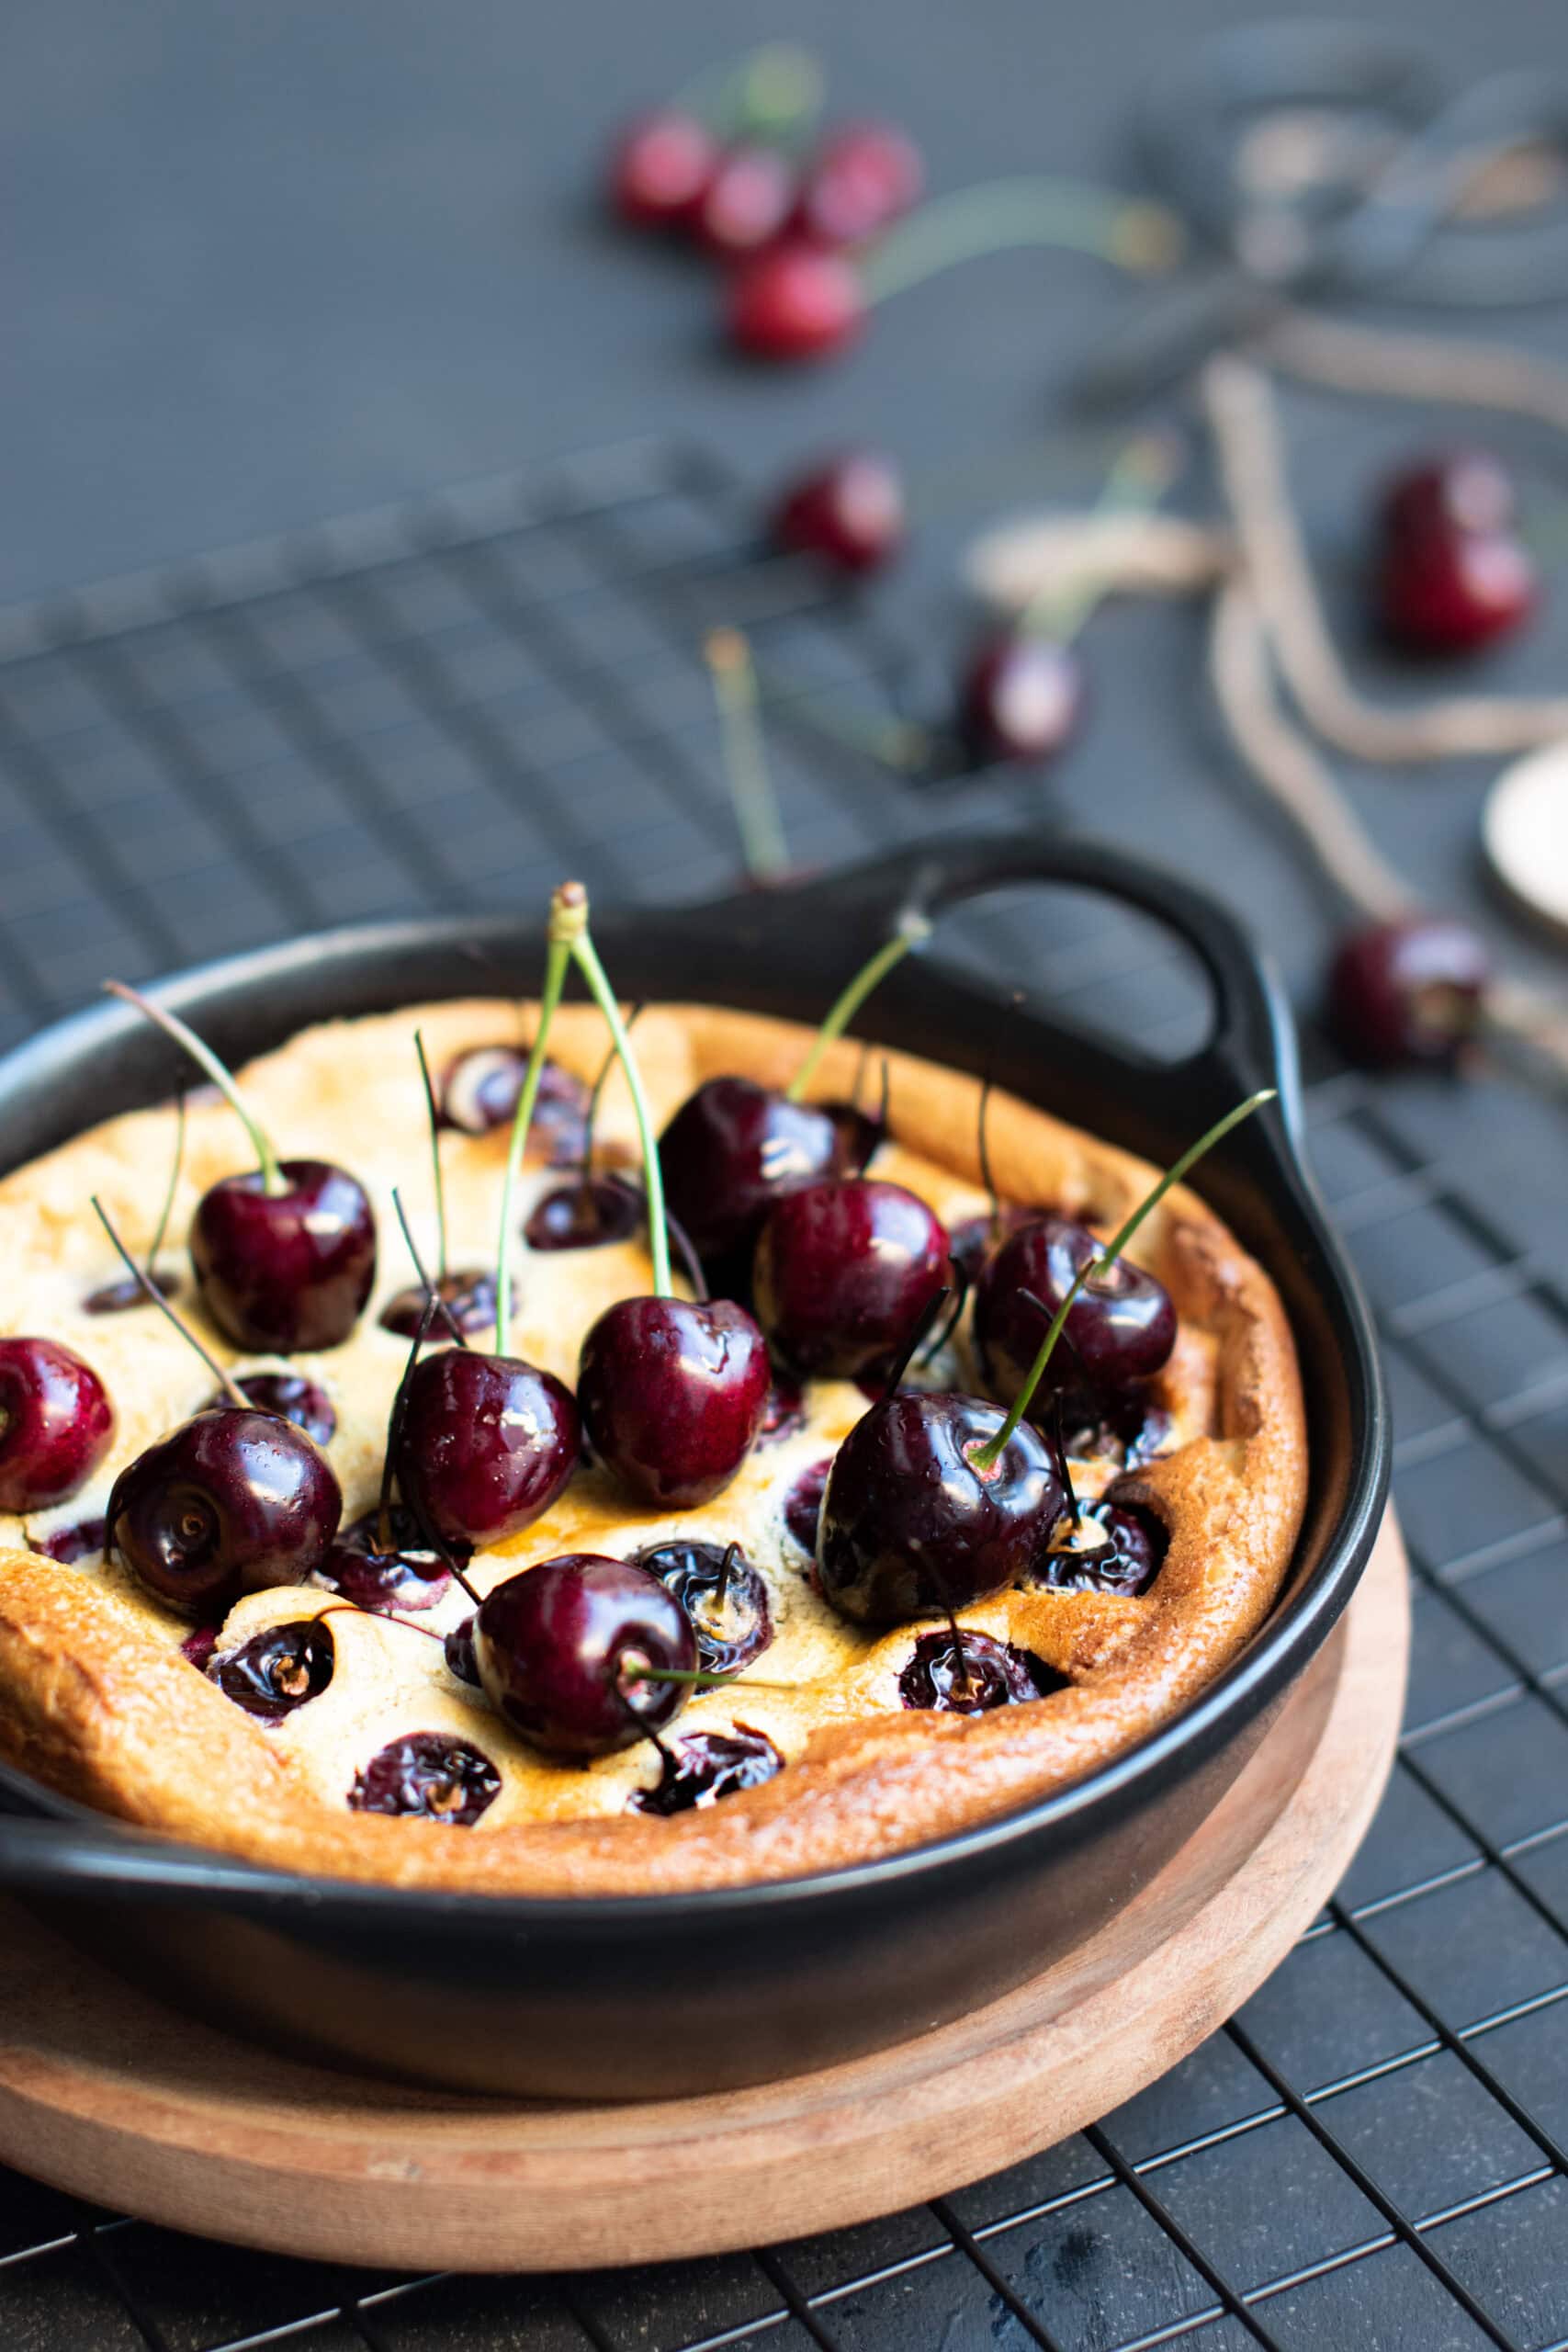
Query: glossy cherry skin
point(289, 1272)
point(731, 1149)
point(794, 301)
point(1450, 576)
point(467, 1296)
point(1021, 699)
point(403, 1579)
point(673, 1394)
point(658, 167)
point(694, 1571)
point(588, 1214)
point(1127, 1561)
point(865, 177)
point(986, 1674)
point(303, 1402)
point(909, 1527)
point(478, 1092)
point(843, 1273)
point(55, 1423)
point(486, 1446)
point(849, 513)
point(1122, 1326)
point(430, 1776)
point(233, 1501)
point(557, 1648)
point(1408, 992)
point(749, 197)
point(705, 1766)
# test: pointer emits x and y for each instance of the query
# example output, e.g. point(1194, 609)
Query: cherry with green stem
point(115, 1298)
point(935, 1502)
point(671, 1391)
point(284, 1255)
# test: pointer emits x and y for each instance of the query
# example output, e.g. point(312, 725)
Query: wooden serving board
point(106, 2093)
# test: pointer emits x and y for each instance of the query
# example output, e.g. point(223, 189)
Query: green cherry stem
point(166, 1211)
point(206, 1060)
point(225, 1379)
point(986, 1457)
point(1027, 211)
point(571, 904)
point(558, 957)
point(763, 849)
point(914, 929)
point(434, 1115)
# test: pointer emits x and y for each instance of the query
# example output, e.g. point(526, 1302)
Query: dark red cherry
point(82, 1541)
point(430, 1775)
point(1122, 1549)
point(559, 1647)
point(303, 1402)
point(288, 1271)
point(486, 1446)
point(784, 1415)
point(910, 1528)
point(458, 1651)
point(731, 1149)
point(1412, 991)
point(467, 1298)
point(847, 512)
point(867, 176)
point(479, 1089)
point(803, 1504)
point(232, 1501)
point(55, 1423)
point(658, 167)
point(973, 1243)
point(585, 1216)
point(1122, 1326)
point(1021, 699)
point(1450, 575)
point(117, 1298)
point(673, 1394)
point(277, 1669)
point(794, 301)
point(705, 1766)
point(972, 1680)
point(749, 197)
point(732, 1632)
point(404, 1577)
point(843, 1273)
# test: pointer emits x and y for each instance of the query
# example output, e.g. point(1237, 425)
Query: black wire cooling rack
point(449, 707)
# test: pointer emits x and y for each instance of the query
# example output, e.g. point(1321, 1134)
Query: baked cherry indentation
point(1121, 1328)
point(467, 1302)
point(703, 1766)
point(234, 1500)
point(911, 1527)
point(731, 1149)
point(286, 1272)
point(485, 1446)
point(82, 1541)
point(844, 1271)
point(404, 1577)
point(1126, 1561)
point(586, 1215)
point(479, 1089)
point(672, 1393)
point(277, 1669)
point(559, 1647)
point(430, 1775)
point(292, 1396)
point(117, 1298)
point(968, 1673)
point(731, 1630)
point(55, 1423)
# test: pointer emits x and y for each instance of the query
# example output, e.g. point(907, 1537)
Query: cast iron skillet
point(649, 1995)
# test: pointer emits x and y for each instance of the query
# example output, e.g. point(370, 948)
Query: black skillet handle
point(1252, 1041)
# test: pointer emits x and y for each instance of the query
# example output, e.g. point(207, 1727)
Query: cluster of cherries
point(936, 1499)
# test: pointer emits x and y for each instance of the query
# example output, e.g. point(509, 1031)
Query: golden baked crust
point(96, 1701)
